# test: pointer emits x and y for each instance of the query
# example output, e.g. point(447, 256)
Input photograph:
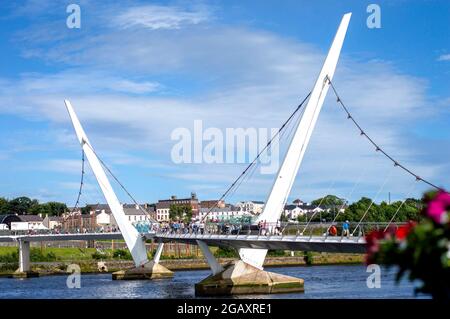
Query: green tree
point(328, 201)
point(383, 212)
point(86, 209)
point(180, 212)
point(21, 205)
point(410, 210)
point(356, 210)
point(37, 209)
point(54, 208)
point(3, 205)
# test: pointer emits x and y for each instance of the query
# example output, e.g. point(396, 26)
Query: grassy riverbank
point(49, 260)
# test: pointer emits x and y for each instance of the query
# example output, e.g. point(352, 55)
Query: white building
point(136, 215)
point(223, 213)
point(104, 217)
point(253, 207)
point(52, 222)
point(162, 211)
point(28, 222)
point(292, 212)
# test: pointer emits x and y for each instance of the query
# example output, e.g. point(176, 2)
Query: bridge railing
point(223, 228)
point(32, 232)
point(275, 229)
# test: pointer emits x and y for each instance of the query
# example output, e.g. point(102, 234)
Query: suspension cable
point(388, 176)
point(235, 182)
point(120, 184)
point(81, 185)
point(348, 196)
point(330, 188)
point(253, 167)
point(400, 206)
point(377, 147)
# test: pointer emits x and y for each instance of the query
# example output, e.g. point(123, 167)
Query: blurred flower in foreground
point(421, 250)
point(438, 207)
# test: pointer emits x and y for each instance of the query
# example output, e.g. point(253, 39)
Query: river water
point(336, 281)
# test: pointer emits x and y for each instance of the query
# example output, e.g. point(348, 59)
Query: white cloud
point(80, 81)
point(156, 17)
point(444, 57)
point(249, 78)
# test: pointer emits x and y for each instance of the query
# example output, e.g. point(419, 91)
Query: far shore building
point(133, 213)
point(78, 222)
point(221, 213)
point(299, 209)
point(53, 222)
point(100, 217)
point(212, 203)
point(136, 215)
point(7, 219)
point(253, 207)
point(28, 222)
point(163, 206)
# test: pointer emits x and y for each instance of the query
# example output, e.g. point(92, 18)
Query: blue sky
point(137, 70)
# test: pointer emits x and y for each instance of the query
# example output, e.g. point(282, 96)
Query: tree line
point(27, 206)
point(382, 212)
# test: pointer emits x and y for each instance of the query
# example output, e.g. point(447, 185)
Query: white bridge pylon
point(286, 174)
point(132, 237)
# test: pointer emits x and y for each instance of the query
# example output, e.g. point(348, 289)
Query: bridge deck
point(58, 237)
point(288, 242)
point(304, 243)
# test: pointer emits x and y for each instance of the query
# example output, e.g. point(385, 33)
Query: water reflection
point(320, 282)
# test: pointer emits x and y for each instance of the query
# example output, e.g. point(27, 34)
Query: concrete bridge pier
point(24, 270)
point(150, 270)
point(239, 278)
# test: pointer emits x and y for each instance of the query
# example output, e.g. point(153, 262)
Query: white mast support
point(158, 253)
point(212, 262)
point(286, 175)
point(133, 239)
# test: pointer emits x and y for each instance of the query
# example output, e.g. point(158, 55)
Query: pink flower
point(437, 207)
point(373, 245)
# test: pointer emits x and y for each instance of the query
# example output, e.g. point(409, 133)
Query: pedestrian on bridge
point(346, 229)
point(333, 231)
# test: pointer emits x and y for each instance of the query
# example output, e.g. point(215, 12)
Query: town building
point(253, 207)
point(53, 222)
point(163, 206)
point(6, 220)
point(78, 222)
point(221, 213)
point(137, 215)
point(212, 203)
point(299, 209)
point(100, 217)
point(28, 222)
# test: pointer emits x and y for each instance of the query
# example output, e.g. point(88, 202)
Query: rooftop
point(30, 218)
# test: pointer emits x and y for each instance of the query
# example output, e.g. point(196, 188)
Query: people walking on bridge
point(278, 228)
point(346, 229)
point(332, 231)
